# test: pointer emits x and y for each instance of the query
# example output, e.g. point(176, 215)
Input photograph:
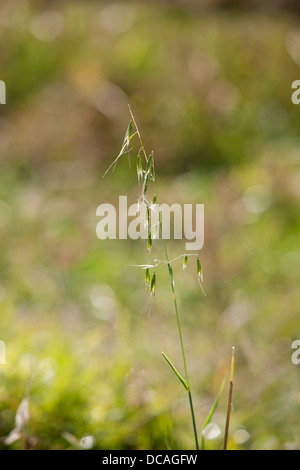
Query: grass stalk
point(145, 176)
point(171, 276)
point(193, 419)
point(229, 402)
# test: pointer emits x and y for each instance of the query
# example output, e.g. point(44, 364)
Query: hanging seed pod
point(146, 182)
point(153, 284)
point(171, 277)
point(199, 270)
point(147, 277)
point(128, 134)
point(200, 275)
point(185, 261)
point(149, 163)
point(154, 200)
point(149, 243)
point(139, 168)
point(147, 216)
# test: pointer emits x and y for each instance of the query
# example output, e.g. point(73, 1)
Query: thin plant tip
point(232, 363)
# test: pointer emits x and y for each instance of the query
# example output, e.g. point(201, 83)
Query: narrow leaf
point(215, 404)
point(176, 371)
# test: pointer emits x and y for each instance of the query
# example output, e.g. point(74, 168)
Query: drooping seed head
point(146, 182)
point(147, 277)
point(149, 163)
point(199, 270)
point(147, 216)
point(185, 261)
point(171, 277)
point(153, 284)
point(139, 168)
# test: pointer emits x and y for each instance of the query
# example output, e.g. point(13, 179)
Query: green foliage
point(176, 371)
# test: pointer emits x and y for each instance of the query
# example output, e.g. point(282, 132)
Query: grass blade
point(176, 372)
point(215, 404)
point(229, 403)
point(213, 409)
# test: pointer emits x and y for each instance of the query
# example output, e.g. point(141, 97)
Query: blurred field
point(211, 91)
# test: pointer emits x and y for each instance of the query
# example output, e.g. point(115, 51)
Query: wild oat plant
point(145, 168)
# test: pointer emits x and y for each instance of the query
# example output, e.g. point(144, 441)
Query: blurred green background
point(210, 86)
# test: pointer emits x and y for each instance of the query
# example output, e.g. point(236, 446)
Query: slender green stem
point(182, 347)
point(193, 419)
point(183, 355)
point(180, 333)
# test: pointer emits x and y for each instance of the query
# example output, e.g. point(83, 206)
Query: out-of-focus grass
point(212, 96)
